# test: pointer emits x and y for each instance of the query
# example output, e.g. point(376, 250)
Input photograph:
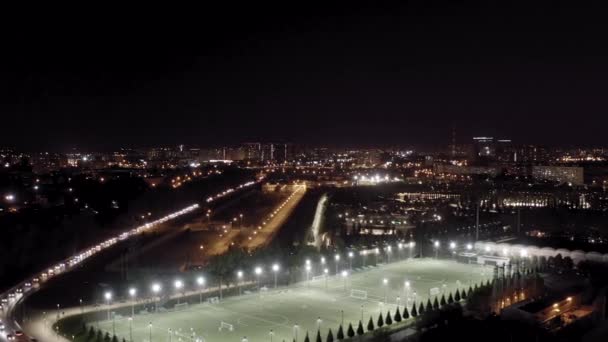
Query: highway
point(13, 297)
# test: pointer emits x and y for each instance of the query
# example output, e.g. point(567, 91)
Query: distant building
point(561, 174)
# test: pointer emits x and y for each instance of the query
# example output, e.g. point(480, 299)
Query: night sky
point(323, 75)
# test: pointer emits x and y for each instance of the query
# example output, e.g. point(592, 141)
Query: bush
point(397, 315)
point(370, 324)
point(340, 334)
point(380, 322)
point(360, 330)
point(330, 336)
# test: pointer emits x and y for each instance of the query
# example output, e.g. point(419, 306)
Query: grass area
point(324, 303)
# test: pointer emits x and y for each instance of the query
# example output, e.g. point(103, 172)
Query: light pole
point(156, 290)
point(344, 275)
point(295, 332)
point(337, 259)
point(178, 286)
point(271, 333)
point(411, 244)
point(406, 289)
point(170, 331)
point(350, 260)
point(326, 272)
point(131, 328)
point(241, 222)
point(108, 297)
point(150, 327)
point(385, 284)
point(81, 307)
point(239, 275)
point(308, 275)
point(361, 312)
point(258, 272)
point(132, 294)
point(388, 253)
point(319, 321)
point(201, 285)
point(436, 245)
point(453, 248)
point(275, 270)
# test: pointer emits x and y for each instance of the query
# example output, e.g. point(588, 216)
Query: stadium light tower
point(156, 290)
point(258, 273)
point(133, 294)
point(469, 246)
point(178, 286)
point(385, 284)
point(200, 281)
point(308, 275)
point(275, 269)
point(239, 275)
point(344, 276)
point(337, 259)
point(436, 244)
point(108, 297)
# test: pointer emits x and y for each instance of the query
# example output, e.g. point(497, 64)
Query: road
point(17, 294)
point(275, 220)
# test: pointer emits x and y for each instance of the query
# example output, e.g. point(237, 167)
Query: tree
point(470, 292)
point(319, 339)
point(435, 304)
point(397, 315)
point(330, 336)
point(91, 334)
point(450, 299)
point(442, 302)
point(106, 337)
point(114, 338)
point(99, 337)
point(429, 306)
point(414, 310)
point(360, 330)
point(388, 320)
point(380, 322)
point(370, 324)
point(421, 309)
point(457, 296)
point(406, 313)
point(306, 339)
point(350, 332)
point(340, 334)
point(123, 340)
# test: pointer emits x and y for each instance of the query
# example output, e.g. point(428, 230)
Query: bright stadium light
point(452, 245)
point(337, 257)
point(322, 260)
point(275, 267)
point(178, 284)
point(412, 244)
point(132, 292)
point(108, 296)
point(200, 281)
point(469, 246)
point(156, 288)
point(436, 244)
point(258, 270)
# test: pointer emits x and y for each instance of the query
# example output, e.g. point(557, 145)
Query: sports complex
point(321, 302)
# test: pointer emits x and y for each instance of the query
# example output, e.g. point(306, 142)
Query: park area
point(288, 313)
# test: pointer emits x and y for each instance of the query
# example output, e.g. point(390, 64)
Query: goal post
point(226, 326)
point(358, 294)
point(181, 306)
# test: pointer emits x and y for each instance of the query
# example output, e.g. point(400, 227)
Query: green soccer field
point(320, 303)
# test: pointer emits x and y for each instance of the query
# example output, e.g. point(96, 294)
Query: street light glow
point(108, 295)
point(132, 292)
point(275, 267)
point(178, 284)
point(200, 281)
point(258, 270)
point(156, 287)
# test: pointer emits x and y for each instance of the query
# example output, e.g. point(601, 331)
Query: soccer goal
point(358, 294)
point(226, 326)
point(319, 277)
point(181, 306)
point(213, 300)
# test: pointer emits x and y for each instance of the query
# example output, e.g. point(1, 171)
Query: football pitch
point(287, 313)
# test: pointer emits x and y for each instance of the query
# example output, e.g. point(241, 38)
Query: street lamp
point(239, 275)
point(322, 260)
point(350, 260)
point(406, 289)
point(178, 286)
point(132, 294)
point(326, 272)
point(275, 269)
point(201, 284)
point(150, 327)
point(131, 328)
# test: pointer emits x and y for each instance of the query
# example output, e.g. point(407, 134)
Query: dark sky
point(333, 74)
